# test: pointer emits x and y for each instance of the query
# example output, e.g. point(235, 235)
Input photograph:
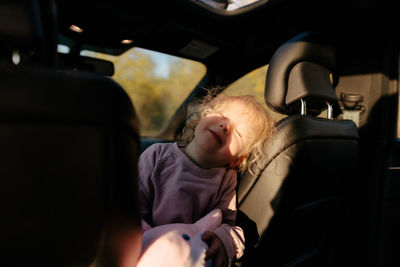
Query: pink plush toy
point(177, 244)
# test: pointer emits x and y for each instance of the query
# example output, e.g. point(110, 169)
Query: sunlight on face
point(241, 122)
point(224, 134)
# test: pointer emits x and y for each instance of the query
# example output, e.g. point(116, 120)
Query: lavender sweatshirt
point(173, 189)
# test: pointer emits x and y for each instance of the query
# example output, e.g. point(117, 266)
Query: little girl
point(181, 183)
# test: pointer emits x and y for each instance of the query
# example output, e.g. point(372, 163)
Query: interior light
point(16, 58)
point(63, 49)
point(126, 41)
point(229, 5)
point(236, 4)
point(75, 28)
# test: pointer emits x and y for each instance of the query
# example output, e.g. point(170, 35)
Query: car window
point(252, 83)
point(156, 83)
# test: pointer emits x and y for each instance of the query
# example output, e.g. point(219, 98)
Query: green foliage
point(156, 98)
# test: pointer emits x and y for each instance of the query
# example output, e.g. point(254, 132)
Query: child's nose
point(225, 127)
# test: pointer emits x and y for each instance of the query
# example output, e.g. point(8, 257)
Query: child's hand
point(216, 249)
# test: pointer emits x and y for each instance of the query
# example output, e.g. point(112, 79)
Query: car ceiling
point(245, 40)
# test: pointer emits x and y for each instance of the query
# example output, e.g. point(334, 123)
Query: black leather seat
point(69, 146)
point(297, 198)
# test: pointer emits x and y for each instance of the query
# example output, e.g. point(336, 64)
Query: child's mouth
point(216, 136)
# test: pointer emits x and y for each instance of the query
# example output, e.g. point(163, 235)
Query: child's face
point(224, 135)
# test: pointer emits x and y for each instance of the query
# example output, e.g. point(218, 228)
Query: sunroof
point(229, 5)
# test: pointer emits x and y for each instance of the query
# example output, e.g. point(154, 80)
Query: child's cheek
point(233, 148)
point(228, 156)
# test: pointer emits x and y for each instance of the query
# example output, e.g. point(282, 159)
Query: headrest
point(300, 69)
point(28, 27)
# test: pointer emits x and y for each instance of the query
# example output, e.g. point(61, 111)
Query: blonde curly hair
point(262, 126)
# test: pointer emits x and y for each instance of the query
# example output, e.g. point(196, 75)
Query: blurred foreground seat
point(68, 151)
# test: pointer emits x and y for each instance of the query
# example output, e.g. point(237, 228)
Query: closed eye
point(238, 133)
point(222, 115)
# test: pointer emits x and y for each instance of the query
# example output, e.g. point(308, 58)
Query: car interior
point(328, 193)
point(304, 209)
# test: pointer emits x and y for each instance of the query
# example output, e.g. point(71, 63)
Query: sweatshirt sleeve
point(146, 167)
point(232, 236)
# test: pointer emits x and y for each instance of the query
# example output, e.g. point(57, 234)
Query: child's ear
point(236, 163)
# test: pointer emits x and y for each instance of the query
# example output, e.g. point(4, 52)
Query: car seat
point(296, 199)
point(69, 146)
